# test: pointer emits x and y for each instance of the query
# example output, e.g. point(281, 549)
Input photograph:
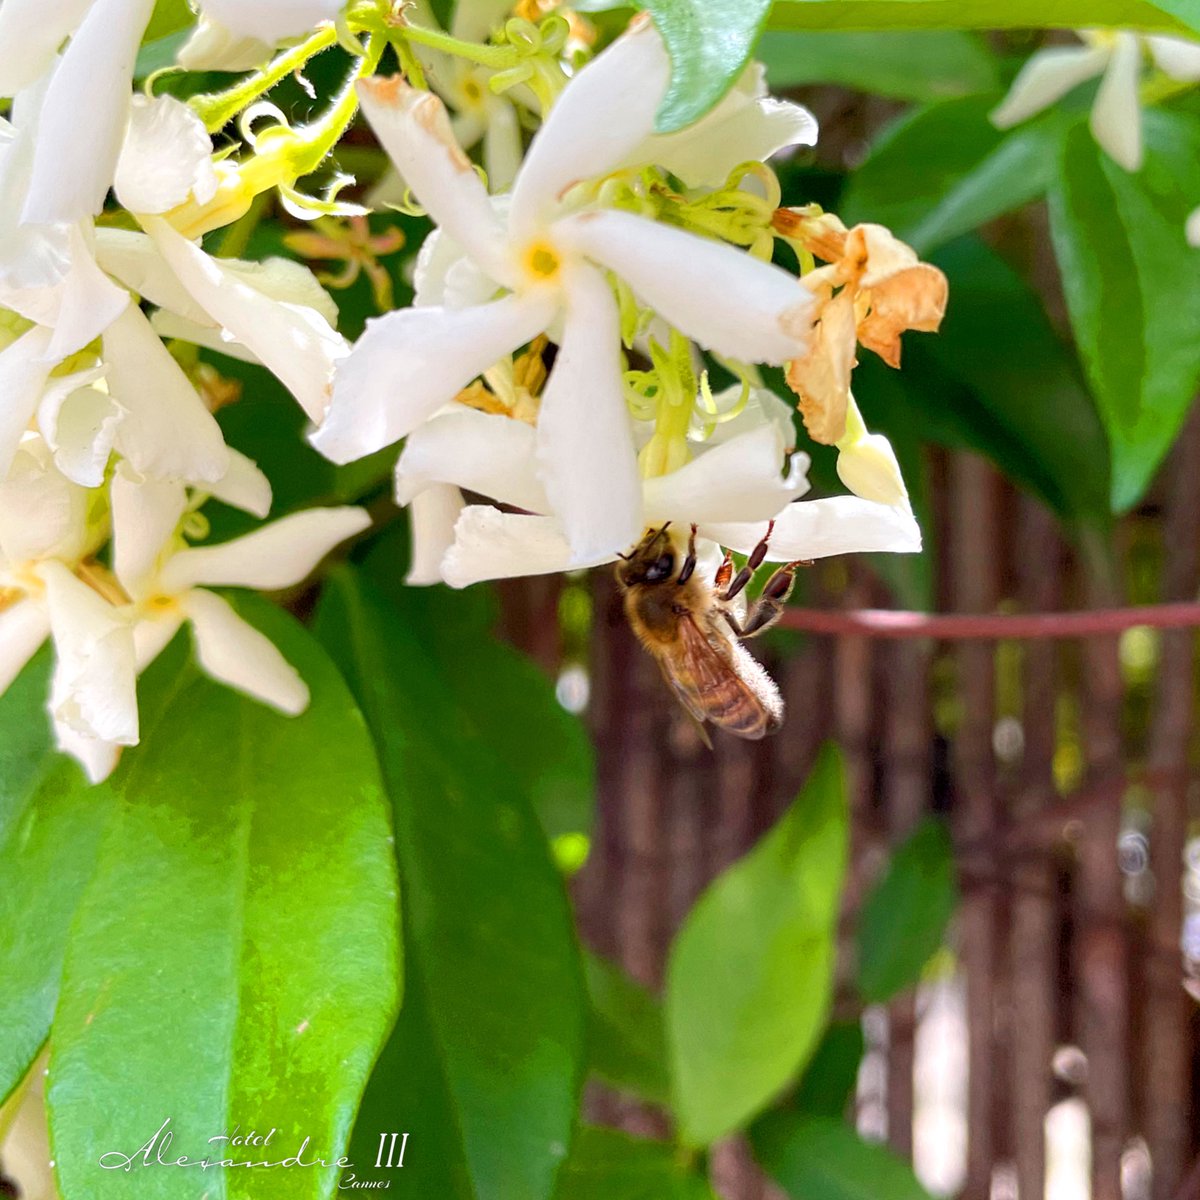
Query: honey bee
point(692, 631)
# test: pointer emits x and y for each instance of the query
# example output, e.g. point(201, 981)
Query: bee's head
point(653, 561)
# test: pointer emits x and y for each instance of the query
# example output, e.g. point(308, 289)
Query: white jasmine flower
point(167, 582)
point(270, 21)
point(730, 489)
point(212, 47)
point(166, 157)
point(550, 261)
point(1116, 120)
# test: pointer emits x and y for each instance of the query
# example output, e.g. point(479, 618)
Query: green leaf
point(751, 972)
point(943, 170)
point(964, 387)
point(234, 958)
point(606, 1164)
point(920, 65)
point(710, 43)
point(1171, 16)
point(1133, 288)
point(50, 821)
point(627, 1045)
point(905, 916)
point(169, 16)
point(822, 1159)
point(830, 1079)
point(485, 1063)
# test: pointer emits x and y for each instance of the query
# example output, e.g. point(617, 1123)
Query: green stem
point(237, 237)
point(217, 109)
point(499, 57)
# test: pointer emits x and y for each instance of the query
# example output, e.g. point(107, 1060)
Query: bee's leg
point(689, 563)
point(744, 576)
point(724, 573)
point(768, 608)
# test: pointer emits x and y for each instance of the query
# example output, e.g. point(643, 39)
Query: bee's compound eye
point(661, 568)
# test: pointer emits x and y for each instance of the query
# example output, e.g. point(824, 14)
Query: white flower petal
point(31, 32)
point(737, 480)
point(152, 635)
point(276, 556)
point(212, 47)
point(1046, 77)
point(812, 529)
point(746, 125)
point(762, 407)
point(85, 113)
point(169, 325)
point(444, 275)
point(166, 432)
point(585, 452)
point(270, 20)
point(295, 342)
point(135, 260)
point(23, 376)
point(166, 157)
point(97, 758)
point(24, 626)
point(432, 513)
point(415, 131)
point(94, 691)
point(490, 544)
point(501, 144)
point(487, 453)
point(1116, 119)
point(42, 513)
point(1193, 227)
point(243, 485)
point(145, 515)
point(81, 426)
point(237, 654)
point(412, 361)
point(1177, 57)
point(477, 20)
point(605, 111)
point(721, 297)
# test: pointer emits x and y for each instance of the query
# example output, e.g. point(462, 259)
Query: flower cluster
point(550, 382)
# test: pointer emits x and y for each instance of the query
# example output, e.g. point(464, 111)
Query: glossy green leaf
point(1172, 16)
point(921, 65)
point(964, 387)
point(50, 821)
point(1133, 288)
point(822, 1159)
point(627, 1045)
point(750, 973)
point(709, 41)
point(606, 1164)
point(829, 1082)
point(485, 1063)
point(234, 958)
point(169, 16)
point(904, 918)
point(944, 169)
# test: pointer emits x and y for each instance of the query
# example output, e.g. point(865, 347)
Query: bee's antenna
point(624, 557)
point(664, 529)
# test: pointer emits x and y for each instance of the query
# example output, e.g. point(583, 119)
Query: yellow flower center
point(542, 262)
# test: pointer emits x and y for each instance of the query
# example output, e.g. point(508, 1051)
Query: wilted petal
point(602, 115)
point(24, 626)
point(912, 299)
point(85, 113)
point(236, 653)
point(31, 32)
point(97, 758)
point(414, 129)
point(1116, 119)
point(270, 20)
point(23, 376)
point(490, 544)
point(720, 296)
point(738, 480)
point(432, 513)
point(585, 453)
point(145, 515)
point(1177, 57)
point(412, 361)
point(1046, 77)
point(93, 692)
point(166, 432)
point(812, 529)
point(243, 485)
point(276, 556)
point(747, 125)
point(487, 453)
point(293, 341)
point(166, 157)
point(821, 378)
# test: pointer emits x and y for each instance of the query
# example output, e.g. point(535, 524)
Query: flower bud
point(868, 467)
